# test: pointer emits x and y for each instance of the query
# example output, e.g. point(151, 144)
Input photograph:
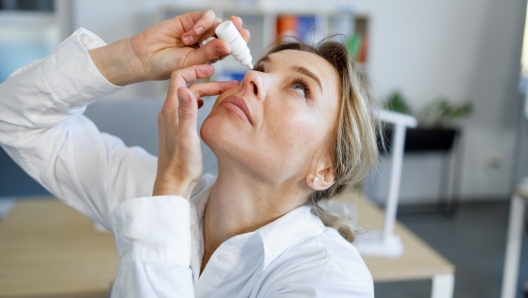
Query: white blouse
point(159, 239)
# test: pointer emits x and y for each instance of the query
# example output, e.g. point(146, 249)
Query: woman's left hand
point(180, 156)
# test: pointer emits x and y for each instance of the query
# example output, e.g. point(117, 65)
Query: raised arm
point(42, 128)
point(41, 123)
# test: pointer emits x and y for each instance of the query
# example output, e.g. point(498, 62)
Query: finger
point(187, 111)
point(237, 21)
point(211, 31)
point(195, 24)
point(245, 34)
point(180, 78)
point(211, 88)
point(211, 51)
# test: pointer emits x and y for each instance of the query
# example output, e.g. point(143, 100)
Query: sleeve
point(43, 130)
point(154, 242)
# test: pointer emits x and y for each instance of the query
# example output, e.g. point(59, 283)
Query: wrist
point(165, 186)
point(117, 62)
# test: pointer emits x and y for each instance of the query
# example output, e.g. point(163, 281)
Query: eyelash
point(296, 81)
point(304, 84)
point(258, 67)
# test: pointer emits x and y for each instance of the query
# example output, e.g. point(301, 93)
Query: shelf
point(262, 22)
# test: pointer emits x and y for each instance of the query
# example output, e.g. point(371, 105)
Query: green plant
point(441, 113)
point(397, 103)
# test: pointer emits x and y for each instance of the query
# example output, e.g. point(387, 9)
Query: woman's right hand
point(163, 48)
point(180, 157)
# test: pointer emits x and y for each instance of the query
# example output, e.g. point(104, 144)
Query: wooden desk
point(49, 250)
point(419, 261)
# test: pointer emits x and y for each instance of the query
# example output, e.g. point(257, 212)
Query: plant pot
point(422, 139)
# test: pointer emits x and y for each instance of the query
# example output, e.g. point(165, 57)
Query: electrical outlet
point(492, 160)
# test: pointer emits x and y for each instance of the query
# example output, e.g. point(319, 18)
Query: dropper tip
point(250, 66)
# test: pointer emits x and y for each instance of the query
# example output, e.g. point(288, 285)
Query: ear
point(322, 177)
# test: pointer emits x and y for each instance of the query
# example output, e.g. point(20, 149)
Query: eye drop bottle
point(239, 49)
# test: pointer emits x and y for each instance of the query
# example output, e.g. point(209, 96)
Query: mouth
point(238, 106)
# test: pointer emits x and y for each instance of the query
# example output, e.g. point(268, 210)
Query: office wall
point(461, 49)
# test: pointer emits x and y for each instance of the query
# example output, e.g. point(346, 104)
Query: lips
point(238, 106)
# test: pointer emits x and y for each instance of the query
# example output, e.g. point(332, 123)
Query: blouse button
point(222, 257)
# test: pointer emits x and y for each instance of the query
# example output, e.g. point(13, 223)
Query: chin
point(223, 136)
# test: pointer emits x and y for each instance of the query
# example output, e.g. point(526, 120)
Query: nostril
point(255, 89)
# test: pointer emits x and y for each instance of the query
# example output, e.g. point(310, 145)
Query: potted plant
point(438, 123)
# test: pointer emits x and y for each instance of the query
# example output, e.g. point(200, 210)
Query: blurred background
point(458, 67)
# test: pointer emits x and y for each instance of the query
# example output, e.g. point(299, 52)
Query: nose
point(254, 83)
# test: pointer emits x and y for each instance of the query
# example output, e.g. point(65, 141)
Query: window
point(29, 30)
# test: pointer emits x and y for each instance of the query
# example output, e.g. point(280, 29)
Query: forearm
point(42, 129)
point(118, 63)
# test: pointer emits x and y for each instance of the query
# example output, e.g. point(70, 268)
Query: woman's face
point(275, 125)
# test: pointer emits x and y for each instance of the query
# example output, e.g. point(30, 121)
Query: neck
point(241, 204)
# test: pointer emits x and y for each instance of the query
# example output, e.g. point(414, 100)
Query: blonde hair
point(353, 145)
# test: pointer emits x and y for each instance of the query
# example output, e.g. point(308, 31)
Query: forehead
point(287, 59)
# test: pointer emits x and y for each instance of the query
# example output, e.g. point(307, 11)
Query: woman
point(290, 134)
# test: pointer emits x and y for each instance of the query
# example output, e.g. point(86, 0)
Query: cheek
point(296, 133)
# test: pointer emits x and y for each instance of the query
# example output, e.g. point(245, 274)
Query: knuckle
point(211, 54)
point(186, 114)
point(174, 75)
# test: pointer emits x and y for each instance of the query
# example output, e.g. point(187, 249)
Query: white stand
point(385, 243)
point(372, 244)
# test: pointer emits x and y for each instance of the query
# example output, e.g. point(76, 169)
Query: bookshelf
point(265, 25)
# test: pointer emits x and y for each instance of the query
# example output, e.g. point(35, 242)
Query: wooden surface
point(418, 261)
point(48, 249)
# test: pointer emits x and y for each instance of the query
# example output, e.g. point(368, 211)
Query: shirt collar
point(276, 236)
point(285, 231)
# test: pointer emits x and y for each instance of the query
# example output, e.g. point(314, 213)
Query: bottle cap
point(227, 31)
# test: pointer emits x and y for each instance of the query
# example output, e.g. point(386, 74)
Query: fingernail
point(221, 51)
point(198, 30)
point(188, 39)
point(182, 96)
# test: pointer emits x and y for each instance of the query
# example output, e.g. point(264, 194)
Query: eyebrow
point(299, 69)
point(308, 73)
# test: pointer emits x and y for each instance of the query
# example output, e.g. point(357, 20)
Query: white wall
point(464, 50)
point(461, 49)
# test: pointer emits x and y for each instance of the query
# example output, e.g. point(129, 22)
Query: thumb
point(211, 52)
point(187, 111)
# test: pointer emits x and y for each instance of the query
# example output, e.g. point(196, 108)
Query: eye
point(259, 67)
point(301, 86)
